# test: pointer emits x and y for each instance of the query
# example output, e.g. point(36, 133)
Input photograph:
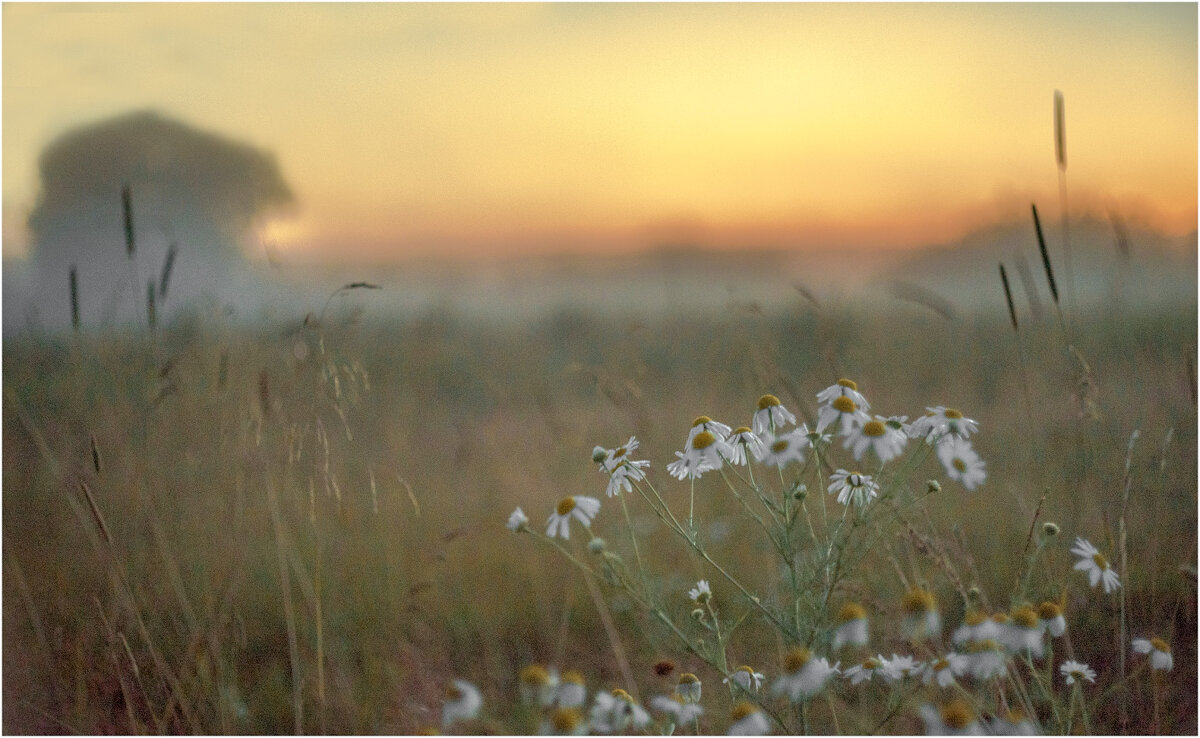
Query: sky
point(473, 130)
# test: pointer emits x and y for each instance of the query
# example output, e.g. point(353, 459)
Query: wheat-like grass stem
point(637, 554)
point(288, 609)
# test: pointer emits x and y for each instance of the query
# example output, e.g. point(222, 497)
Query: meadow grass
point(302, 528)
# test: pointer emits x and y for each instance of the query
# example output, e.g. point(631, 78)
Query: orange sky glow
point(472, 130)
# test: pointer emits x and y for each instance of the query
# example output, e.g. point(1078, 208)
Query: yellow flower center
point(851, 611)
point(1160, 645)
point(941, 664)
point(983, 646)
point(874, 428)
point(741, 710)
point(1100, 561)
point(1025, 617)
point(952, 414)
point(780, 446)
point(999, 618)
point(871, 664)
point(959, 464)
point(688, 678)
point(453, 693)
point(844, 404)
point(535, 674)
point(957, 714)
point(975, 618)
point(566, 719)
point(701, 420)
point(566, 505)
point(746, 669)
point(796, 659)
point(620, 452)
point(573, 677)
point(703, 439)
point(918, 602)
point(848, 383)
point(767, 401)
point(622, 695)
point(1049, 610)
point(741, 430)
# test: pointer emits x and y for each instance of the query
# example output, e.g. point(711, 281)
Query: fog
point(203, 195)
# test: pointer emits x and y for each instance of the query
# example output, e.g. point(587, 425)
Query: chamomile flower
point(952, 718)
point(463, 701)
point(614, 712)
point(746, 678)
point(944, 669)
point(786, 448)
point(976, 627)
point(938, 423)
point(611, 458)
point(771, 416)
point(582, 509)
point(1051, 617)
point(686, 466)
point(538, 685)
point(571, 690)
point(517, 521)
point(843, 412)
point(688, 688)
point(864, 670)
point(674, 707)
point(622, 478)
point(851, 626)
point(1096, 566)
point(705, 424)
point(961, 462)
point(743, 440)
point(987, 659)
point(1077, 671)
point(705, 451)
point(803, 675)
point(1014, 722)
point(701, 593)
point(844, 388)
point(1025, 632)
point(879, 436)
point(898, 667)
point(921, 617)
point(748, 720)
point(564, 721)
point(852, 487)
point(1159, 650)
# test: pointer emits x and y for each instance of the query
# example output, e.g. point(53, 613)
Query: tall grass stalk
point(1041, 239)
point(73, 279)
point(1060, 157)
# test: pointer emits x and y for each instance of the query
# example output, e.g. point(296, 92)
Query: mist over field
point(1136, 268)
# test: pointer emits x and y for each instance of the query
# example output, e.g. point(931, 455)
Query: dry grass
point(302, 529)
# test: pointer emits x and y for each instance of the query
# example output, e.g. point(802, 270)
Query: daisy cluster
point(986, 653)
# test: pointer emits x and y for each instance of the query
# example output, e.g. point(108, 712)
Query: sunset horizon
point(493, 130)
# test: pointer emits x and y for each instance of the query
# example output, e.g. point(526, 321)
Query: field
point(301, 527)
